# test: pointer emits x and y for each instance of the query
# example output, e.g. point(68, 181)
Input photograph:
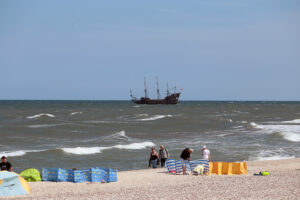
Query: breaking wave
point(155, 117)
point(40, 115)
point(271, 155)
point(75, 113)
point(83, 150)
point(18, 153)
point(133, 146)
point(295, 121)
point(43, 125)
point(289, 132)
point(94, 150)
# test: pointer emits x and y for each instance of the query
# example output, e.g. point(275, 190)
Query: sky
point(99, 50)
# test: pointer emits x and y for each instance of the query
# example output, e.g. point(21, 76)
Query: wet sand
point(283, 183)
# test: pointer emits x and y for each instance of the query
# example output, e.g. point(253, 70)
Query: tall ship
point(171, 98)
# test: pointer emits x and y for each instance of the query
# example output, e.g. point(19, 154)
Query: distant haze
point(214, 50)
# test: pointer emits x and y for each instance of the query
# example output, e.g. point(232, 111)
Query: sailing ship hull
point(172, 99)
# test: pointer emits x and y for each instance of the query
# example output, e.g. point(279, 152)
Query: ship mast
point(168, 92)
point(146, 91)
point(157, 89)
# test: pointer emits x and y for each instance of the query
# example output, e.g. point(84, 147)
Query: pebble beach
point(283, 183)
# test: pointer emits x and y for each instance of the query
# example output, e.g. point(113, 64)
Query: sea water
point(120, 134)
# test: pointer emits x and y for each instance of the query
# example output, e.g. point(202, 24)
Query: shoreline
point(283, 183)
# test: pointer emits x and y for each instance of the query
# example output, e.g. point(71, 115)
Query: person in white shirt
point(205, 153)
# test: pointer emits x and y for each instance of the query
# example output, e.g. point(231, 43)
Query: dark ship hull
point(171, 99)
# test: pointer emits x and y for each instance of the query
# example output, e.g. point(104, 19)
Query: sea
point(120, 134)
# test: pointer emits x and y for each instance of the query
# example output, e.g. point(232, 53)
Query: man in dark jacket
point(185, 157)
point(4, 165)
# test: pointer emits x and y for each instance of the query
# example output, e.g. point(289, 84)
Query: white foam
point(278, 154)
point(155, 117)
point(295, 121)
point(17, 153)
point(120, 134)
point(43, 125)
point(289, 132)
point(75, 113)
point(94, 150)
point(132, 146)
point(13, 153)
point(142, 115)
point(278, 157)
point(40, 115)
point(83, 150)
point(255, 125)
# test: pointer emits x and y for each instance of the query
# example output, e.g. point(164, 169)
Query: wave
point(142, 115)
point(40, 115)
point(289, 132)
point(295, 121)
point(44, 125)
point(271, 155)
point(18, 153)
point(75, 113)
point(155, 117)
point(119, 135)
point(83, 150)
point(276, 157)
point(133, 146)
point(94, 150)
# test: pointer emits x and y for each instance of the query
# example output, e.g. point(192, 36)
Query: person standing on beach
point(163, 155)
point(205, 153)
point(185, 157)
point(4, 165)
point(154, 158)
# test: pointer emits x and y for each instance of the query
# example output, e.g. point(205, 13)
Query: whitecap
point(155, 117)
point(40, 115)
point(142, 115)
point(95, 150)
point(133, 146)
point(83, 150)
point(295, 121)
point(278, 154)
point(289, 132)
point(43, 125)
point(75, 113)
point(17, 153)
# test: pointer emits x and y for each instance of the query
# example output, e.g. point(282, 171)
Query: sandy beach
point(283, 183)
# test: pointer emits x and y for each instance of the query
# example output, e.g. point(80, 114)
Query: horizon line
point(130, 100)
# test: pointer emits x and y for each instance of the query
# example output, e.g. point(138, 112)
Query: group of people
point(163, 155)
point(158, 158)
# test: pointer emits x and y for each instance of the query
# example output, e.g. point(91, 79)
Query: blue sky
point(214, 50)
